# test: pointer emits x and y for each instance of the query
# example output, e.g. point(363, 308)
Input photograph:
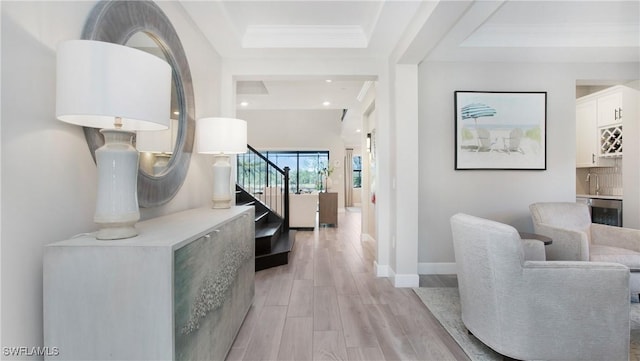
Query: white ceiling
point(548, 31)
point(301, 28)
point(515, 30)
point(307, 94)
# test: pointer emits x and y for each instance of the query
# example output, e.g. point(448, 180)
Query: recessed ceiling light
point(244, 104)
point(326, 103)
point(358, 130)
point(328, 80)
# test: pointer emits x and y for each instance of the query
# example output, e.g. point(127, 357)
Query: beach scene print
point(500, 130)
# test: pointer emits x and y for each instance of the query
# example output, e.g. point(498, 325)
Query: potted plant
point(327, 177)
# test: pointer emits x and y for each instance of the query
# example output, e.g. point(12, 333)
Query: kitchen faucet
point(597, 183)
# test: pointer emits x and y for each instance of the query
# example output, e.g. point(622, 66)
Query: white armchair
point(538, 310)
point(575, 238)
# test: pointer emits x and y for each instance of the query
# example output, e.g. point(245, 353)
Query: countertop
point(599, 196)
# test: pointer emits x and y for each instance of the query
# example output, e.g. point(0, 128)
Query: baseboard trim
point(437, 268)
point(303, 228)
point(406, 281)
point(381, 270)
point(366, 237)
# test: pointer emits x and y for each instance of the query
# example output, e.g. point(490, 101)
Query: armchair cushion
point(623, 256)
point(627, 238)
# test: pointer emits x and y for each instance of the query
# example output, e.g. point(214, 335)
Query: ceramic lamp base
point(109, 232)
point(221, 204)
point(221, 181)
point(117, 205)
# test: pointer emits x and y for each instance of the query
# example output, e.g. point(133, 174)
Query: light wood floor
point(326, 304)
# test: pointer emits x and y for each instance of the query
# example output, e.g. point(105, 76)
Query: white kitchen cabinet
point(610, 119)
point(600, 119)
point(610, 141)
point(180, 290)
point(587, 135)
point(617, 111)
point(610, 107)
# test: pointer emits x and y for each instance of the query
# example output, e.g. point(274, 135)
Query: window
point(305, 168)
point(357, 171)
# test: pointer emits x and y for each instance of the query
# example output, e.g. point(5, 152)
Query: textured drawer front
point(213, 289)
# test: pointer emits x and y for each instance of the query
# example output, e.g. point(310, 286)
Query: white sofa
point(302, 210)
point(302, 207)
point(538, 310)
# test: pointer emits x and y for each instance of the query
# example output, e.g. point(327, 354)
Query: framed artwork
point(500, 130)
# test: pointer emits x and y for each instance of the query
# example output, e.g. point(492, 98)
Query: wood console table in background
point(328, 209)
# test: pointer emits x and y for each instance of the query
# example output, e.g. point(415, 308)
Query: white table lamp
point(121, 90)
point(221, 137)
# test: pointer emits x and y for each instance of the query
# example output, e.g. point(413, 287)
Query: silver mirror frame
point(116, 22)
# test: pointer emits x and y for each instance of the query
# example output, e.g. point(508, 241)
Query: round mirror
point(156, 147)
point(142, 24)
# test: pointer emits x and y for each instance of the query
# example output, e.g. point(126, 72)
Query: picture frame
point(497, 130)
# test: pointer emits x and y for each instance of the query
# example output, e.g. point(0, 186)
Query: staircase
point(265, 186)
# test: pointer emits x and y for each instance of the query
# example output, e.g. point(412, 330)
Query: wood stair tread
point(279, 255)
point(272, 243)
point(268, 229)
point(261, 215)
point(284, 244)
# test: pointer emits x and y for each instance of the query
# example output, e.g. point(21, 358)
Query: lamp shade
point(221, 135)
point(99, 81)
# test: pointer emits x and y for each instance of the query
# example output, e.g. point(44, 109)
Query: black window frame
point(297, 153)
point(358, 171)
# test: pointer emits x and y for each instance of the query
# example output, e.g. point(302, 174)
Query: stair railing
point(267, 182)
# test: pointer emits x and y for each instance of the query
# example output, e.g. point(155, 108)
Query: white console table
point(178, 291)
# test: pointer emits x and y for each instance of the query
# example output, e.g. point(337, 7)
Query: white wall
point(369, 224)
point(299, 130)
point(48, 176)
point(500, 195)
point(404, 244)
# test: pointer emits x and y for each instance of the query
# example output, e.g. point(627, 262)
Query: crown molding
point(304, 36)
point(555, 35)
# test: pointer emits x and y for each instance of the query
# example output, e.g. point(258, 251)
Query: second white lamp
point(221, 137)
